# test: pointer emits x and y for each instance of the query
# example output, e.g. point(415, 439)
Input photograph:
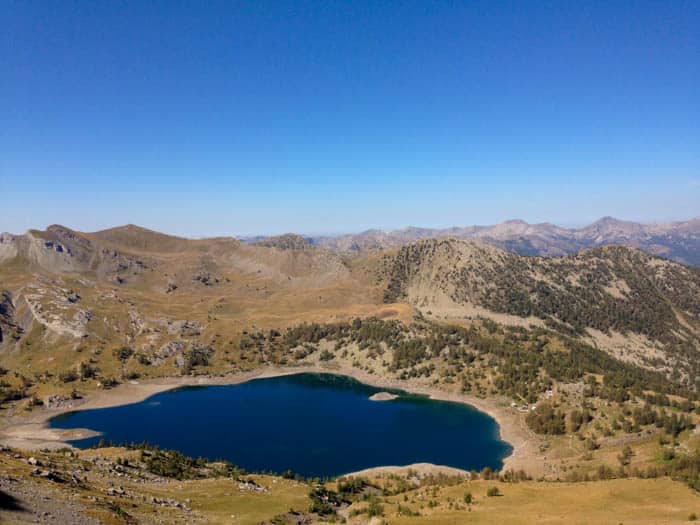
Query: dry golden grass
point(627, 501)
point(216, 500)
point(220, 501)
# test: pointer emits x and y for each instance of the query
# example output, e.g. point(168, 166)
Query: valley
point(589, 363)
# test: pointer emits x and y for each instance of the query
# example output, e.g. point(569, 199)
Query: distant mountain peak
point(608, 220)
point(287, 241)
point(133, 228)
point(679, 241)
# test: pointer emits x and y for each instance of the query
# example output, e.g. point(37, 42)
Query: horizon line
point(246, 236)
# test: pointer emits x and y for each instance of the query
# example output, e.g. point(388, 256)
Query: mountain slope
point(69, 290)
point(596, 293)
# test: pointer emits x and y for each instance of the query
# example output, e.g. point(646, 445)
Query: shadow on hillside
point(9, 502)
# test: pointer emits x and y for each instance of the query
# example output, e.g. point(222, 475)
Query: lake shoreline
point(32, 430)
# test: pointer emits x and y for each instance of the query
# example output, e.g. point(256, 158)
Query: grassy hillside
point(81, 487)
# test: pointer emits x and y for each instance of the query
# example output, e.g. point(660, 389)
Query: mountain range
point(678, 241)
point(129, 285)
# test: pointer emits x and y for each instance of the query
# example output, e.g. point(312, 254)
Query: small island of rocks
point(382, 396)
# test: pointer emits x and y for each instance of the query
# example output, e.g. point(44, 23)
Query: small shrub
point(123, 353)
point(406, 511)
point(326, 356)
point(375, 509)
point(68, 376)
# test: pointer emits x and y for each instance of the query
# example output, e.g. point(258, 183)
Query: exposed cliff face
point(57, 249)
point(7, 310)
point(10, 246)
point(60, 251)
point(10, 328)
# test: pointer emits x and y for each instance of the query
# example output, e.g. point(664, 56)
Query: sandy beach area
point(31, 430)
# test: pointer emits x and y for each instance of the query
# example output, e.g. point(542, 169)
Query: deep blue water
point(313, 424)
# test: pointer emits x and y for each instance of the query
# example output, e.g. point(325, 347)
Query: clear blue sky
point(232, 117)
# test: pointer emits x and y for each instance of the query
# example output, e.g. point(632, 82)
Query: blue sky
point(207, 118)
